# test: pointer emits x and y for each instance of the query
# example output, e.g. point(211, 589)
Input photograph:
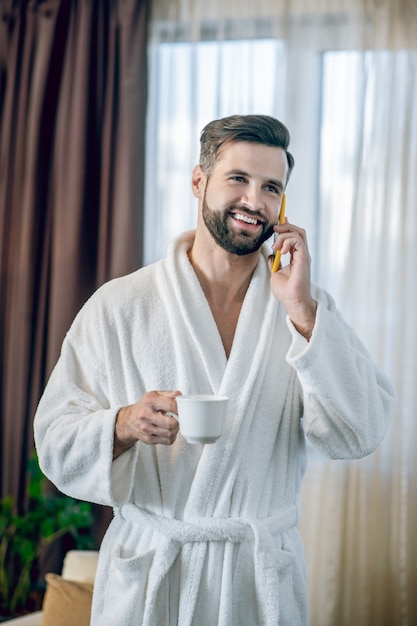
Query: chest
point(226, 319)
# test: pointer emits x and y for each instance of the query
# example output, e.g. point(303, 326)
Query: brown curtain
point(73, 77)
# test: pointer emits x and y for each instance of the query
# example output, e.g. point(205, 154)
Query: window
point(365, 158)
point(191, 84)
point(329, 101)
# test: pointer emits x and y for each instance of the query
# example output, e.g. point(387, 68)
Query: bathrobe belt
point(269, 561)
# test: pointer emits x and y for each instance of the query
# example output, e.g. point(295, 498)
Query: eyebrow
point(271, 181)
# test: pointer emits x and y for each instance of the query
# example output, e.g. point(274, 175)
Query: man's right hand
point(146, 421)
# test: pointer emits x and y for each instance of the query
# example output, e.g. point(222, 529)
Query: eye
point(273, 189)
point(238, 179)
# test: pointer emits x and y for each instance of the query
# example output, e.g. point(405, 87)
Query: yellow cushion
point(66, 602)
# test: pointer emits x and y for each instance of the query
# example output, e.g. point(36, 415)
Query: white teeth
point(244, 218)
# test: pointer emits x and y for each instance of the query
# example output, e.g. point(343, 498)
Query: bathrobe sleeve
point(74, 422)
point(348, 402)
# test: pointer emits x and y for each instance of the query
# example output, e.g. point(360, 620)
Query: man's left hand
point(291, 284)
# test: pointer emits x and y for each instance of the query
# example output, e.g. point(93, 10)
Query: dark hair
point(261, 129)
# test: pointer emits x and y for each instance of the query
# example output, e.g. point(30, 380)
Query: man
point(206, 534)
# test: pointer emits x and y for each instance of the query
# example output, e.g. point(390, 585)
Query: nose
point(253, 198)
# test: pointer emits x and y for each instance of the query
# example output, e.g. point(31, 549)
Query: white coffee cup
point(201, 417)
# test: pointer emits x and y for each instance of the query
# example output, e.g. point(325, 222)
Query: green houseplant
point(26, 535)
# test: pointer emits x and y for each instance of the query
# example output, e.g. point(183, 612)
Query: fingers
point(156, 425)
point(148, 420)
point(292, 283)
point(290, 238)
point(287, 229)
point(152, 433)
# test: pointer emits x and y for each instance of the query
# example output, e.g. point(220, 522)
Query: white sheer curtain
point(343, 77)
point(366, 510)
point(192, 83)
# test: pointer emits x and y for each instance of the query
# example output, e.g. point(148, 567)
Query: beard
point(233, 241)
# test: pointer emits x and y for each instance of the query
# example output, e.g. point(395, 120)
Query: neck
point(224, 277)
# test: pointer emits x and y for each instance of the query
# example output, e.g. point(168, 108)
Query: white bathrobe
point(204, 534)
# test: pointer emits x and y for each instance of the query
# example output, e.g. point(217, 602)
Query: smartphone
point(281, 220)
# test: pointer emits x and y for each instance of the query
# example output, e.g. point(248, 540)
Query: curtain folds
point(372, 231)
point(342, 76)
point(72, 124)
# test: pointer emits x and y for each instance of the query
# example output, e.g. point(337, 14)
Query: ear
point(198, 182)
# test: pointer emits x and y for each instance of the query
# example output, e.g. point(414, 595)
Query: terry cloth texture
point(204, 533)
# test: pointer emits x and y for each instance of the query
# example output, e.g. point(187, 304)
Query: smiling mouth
point(240, 217)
